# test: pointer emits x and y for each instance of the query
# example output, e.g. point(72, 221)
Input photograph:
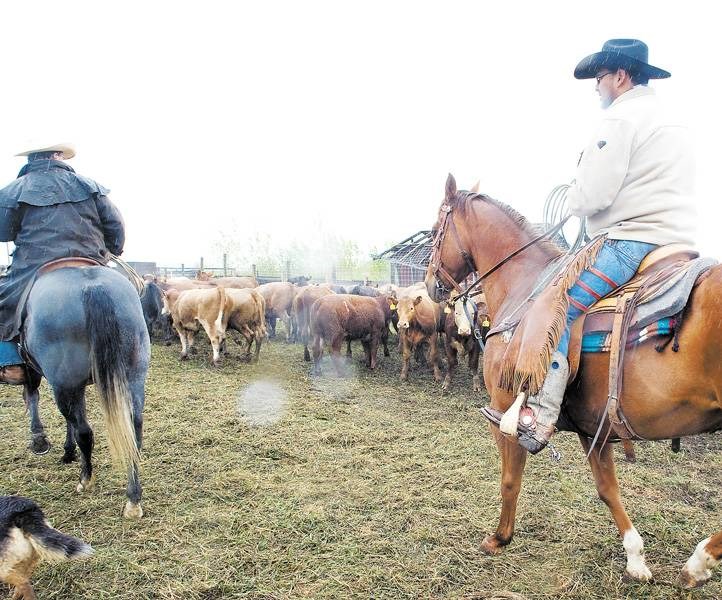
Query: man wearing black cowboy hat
point(635, 185)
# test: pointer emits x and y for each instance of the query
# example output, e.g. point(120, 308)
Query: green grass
point(365, 488)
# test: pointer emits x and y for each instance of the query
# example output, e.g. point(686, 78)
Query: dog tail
point(51, 544)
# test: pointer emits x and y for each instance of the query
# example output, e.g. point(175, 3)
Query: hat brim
point(589, 67)
point(67, 150)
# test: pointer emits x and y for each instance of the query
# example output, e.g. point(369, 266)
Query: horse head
point(451, 260)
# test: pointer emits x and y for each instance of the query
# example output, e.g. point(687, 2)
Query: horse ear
point(475, 187)
point(450, 187)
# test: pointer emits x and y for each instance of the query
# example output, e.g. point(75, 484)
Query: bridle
point(443, 277)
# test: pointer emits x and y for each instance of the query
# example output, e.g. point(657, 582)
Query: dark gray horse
point(86, 325)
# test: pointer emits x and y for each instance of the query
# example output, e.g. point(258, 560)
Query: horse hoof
point(132, 511)
point(639, 573)
point(491, 545)
point(687, 581)
point(85, 485)
point(40, 445)
point(68, 458)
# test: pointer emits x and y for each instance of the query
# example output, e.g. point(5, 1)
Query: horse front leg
point(698, 568)
point(39, 443)
point(605, 477)
point(513, 459)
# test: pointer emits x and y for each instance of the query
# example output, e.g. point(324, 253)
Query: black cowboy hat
point(630, 55)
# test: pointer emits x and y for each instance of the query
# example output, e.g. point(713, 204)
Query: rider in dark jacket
point(49, 212)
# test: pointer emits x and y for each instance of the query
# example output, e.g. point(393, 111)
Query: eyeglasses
point(602, 76)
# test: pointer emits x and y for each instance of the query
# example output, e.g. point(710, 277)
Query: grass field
point(360, 487)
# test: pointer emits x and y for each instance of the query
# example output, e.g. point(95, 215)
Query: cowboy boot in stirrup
point(537, 420)
point(12, 374)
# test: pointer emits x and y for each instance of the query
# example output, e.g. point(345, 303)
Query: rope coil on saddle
point(133, 275)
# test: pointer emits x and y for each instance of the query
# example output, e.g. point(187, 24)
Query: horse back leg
point(39, 443)
point(513, 460)
point(605, 477)
point(71, 402)
point(698, 568)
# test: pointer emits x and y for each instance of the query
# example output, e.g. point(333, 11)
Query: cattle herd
point(318, 316)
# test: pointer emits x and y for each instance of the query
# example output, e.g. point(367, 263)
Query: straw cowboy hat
point(67, 150)
point(630, 55)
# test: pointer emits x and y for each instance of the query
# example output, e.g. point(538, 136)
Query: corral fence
point(268, 271)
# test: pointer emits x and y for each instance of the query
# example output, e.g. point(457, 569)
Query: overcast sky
point(301, 119)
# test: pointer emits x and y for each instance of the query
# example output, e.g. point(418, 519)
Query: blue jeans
point(616, 263)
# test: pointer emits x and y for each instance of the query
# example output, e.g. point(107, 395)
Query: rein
point(439, 271)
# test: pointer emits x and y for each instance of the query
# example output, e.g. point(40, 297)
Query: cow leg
point(405, 354)
point(373, 350)
point(452, 360)
point(258, 336)
point(317, 349)
point(250, 336)
point(183, 335)
point(385, 339)
point(474, 355)
point(286, 318)
point(366, 345)
point(272, 326)
point(336, 344)
point(629, 454)
point(602, 463)
point(434, 355)
point(349, 356)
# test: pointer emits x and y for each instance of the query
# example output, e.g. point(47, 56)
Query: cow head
point(463, 324)
point(169, 299)
point(406, 308)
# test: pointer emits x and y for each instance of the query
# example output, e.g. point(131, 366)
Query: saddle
point(628, 315)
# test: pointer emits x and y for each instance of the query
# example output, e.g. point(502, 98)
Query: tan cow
point(195, 307)
point(418, 324)
point(279, 300)
point(245, 312)
point(302, 304)
point(182, 283)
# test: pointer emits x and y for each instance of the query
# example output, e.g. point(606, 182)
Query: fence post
point(225, 265)
point(333, 274)
point(287, 274)
point(201, 265)
point(183, 269)
point(255, 272)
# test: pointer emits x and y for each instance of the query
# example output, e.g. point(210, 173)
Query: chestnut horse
point(683, 397)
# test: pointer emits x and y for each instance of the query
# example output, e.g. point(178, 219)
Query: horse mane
point(463, 199)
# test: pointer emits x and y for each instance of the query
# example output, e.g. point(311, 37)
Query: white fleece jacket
point(635, 180)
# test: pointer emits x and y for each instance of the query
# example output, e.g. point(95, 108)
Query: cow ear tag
point(485, 323)
point(393, 307)
point(447, 310)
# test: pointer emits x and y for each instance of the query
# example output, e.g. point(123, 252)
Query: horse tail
point(110, 375)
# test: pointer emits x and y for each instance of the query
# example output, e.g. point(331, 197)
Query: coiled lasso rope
point(137, 281)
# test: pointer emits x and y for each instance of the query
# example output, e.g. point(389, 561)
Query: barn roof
point(414, 251)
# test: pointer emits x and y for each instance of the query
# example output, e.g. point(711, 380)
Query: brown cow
point(302, 304)
point(183, 283)
point(459, 337)
point(418, 323)
point(193, 307)
point(337, 317)
point(279, 299)
point(245, 312)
